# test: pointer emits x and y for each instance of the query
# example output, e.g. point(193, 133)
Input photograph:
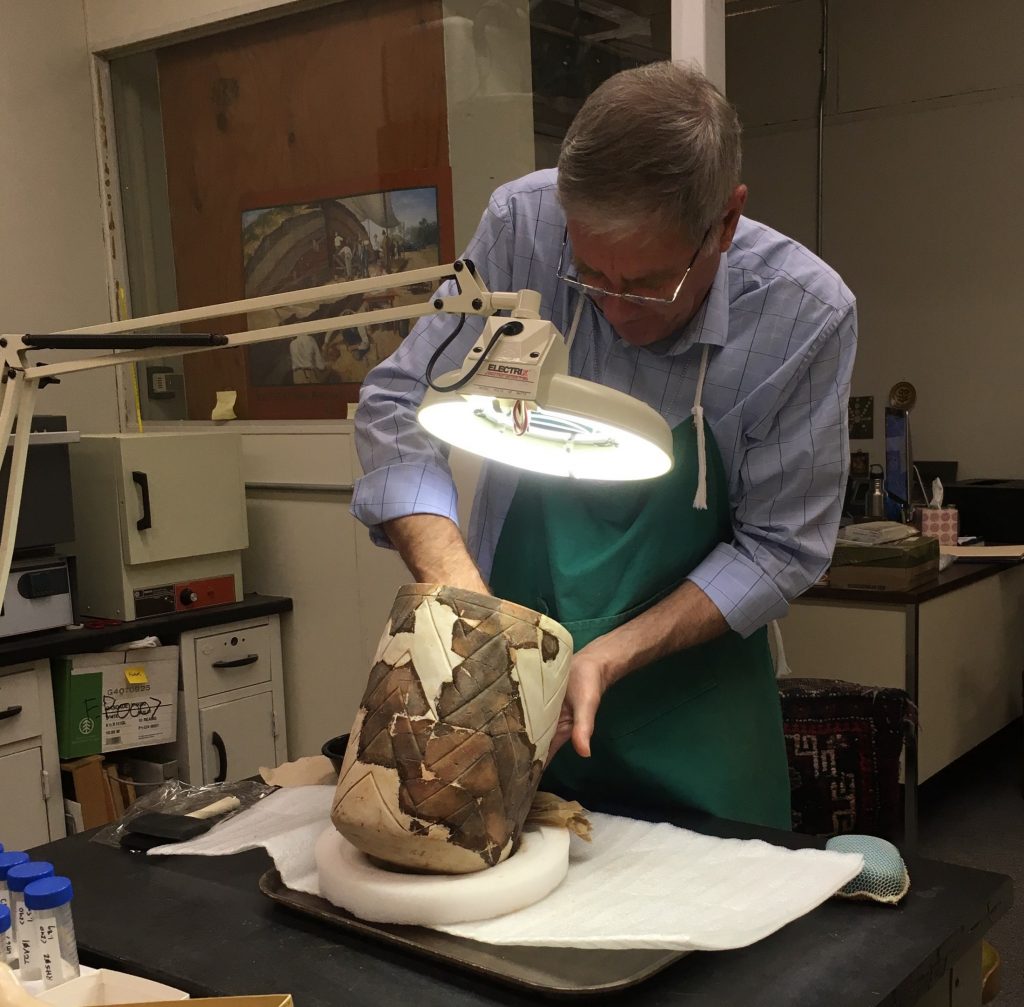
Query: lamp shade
point(578, 429)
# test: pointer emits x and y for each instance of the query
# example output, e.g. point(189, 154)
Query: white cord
point(700, 499)
point(575, 322)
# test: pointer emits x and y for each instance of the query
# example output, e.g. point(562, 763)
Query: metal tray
point(553, 972)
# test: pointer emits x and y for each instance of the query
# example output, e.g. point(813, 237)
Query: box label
point(136, 676)
point(133, 714)
point(106, 704)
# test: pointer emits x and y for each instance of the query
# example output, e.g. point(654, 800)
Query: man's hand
point(683, 619)
point(589, 675)
point(434, 552)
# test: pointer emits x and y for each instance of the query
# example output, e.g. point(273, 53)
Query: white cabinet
point(238, 737)
point(231, 709)
point(31, 806)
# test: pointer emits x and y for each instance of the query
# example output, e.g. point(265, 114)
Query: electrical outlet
point(163, 382)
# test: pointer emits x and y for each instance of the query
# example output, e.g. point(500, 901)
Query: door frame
point(116, 28)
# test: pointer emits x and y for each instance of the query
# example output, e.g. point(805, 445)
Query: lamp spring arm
point(18, 398)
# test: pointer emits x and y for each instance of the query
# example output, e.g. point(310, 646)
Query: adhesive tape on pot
point(350, 880)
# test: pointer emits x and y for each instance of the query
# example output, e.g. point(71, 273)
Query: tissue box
point(895, 566)
point(942, 523)
point(116, 700)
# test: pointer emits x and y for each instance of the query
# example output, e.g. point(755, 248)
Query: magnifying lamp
point(512, 400)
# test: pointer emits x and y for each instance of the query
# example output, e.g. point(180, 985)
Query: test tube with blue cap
point(26, 945)
point(8, 860)
point(49, 900)
point(5, 932)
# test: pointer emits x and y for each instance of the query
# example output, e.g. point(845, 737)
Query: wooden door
point(342, 100)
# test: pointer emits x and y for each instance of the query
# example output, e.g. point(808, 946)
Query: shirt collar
point(711, 323)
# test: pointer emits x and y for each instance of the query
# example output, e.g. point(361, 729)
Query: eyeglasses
point(594, 291)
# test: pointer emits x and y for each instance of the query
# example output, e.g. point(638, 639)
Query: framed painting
point(306, 240)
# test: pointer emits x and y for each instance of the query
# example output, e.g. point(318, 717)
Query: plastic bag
point(177, 798)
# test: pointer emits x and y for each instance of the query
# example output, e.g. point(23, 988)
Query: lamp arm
point(472, 298)
point(20, 380)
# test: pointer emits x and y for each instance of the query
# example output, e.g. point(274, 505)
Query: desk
point(201, 924)
point(245, 708)
point(956, 645)
point(16, 649)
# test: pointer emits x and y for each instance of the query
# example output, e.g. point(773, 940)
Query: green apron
point(701, 728)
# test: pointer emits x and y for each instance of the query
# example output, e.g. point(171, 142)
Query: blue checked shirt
point(782, 328)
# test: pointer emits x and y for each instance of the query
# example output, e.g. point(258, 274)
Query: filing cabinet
point(231, 706)
point(29, 768)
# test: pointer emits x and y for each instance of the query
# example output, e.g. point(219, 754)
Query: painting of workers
point(307, 244)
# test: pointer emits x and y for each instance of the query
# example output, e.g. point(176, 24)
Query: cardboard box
point(106, 986)
point(895, 566)
point(85, 781)
point(270, 1000)
point(114, 701)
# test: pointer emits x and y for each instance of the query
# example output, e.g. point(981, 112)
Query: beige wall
point(304, 543)
point(53, 274)
point(923, 148)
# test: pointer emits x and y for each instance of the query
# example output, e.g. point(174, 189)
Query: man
point(744, 341)
point(308, 367)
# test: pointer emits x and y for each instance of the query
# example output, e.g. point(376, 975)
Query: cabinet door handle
point(237, 662)
point(142, 481)
point(222, 758)
point(11, 711)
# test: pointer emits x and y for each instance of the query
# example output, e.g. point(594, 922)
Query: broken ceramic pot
point(453, 731)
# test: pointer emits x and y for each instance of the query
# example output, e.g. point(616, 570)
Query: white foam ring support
point(350, 880)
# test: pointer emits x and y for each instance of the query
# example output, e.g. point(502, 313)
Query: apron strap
point(782, 668)
point(700, 499)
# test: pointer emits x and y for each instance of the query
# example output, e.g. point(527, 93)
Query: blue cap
point(5, 918)
point(9, 860)
point(23, 874)
point(48, 893)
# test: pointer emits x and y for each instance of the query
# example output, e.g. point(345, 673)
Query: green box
point(116, 700)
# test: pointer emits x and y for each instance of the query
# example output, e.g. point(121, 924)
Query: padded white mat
point(638, 885)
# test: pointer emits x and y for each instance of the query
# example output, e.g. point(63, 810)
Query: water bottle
point(877, 498)
point(49, 900)
point(26, 947)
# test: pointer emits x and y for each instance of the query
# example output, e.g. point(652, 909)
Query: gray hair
point(656, 143)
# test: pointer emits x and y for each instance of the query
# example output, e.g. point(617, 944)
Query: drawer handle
point(238, 662)
point(11, 711)
point(222, 758)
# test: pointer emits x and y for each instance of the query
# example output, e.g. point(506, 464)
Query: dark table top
point(201, 924)
point(18, 649)
point(951, 579)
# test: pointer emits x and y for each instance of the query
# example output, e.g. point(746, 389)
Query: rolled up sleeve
point(405, 469)
point(792, 481)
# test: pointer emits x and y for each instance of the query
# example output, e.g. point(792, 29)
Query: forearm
point(685, 618)
point(433, 550)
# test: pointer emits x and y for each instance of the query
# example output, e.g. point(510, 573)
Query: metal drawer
point(233, 660)
point(20, 715)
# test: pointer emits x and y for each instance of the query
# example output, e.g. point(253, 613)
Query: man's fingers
point(583, 727)
point(563, 731)
point(561, 736)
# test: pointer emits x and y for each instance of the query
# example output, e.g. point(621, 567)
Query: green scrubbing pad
point(884, 878)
